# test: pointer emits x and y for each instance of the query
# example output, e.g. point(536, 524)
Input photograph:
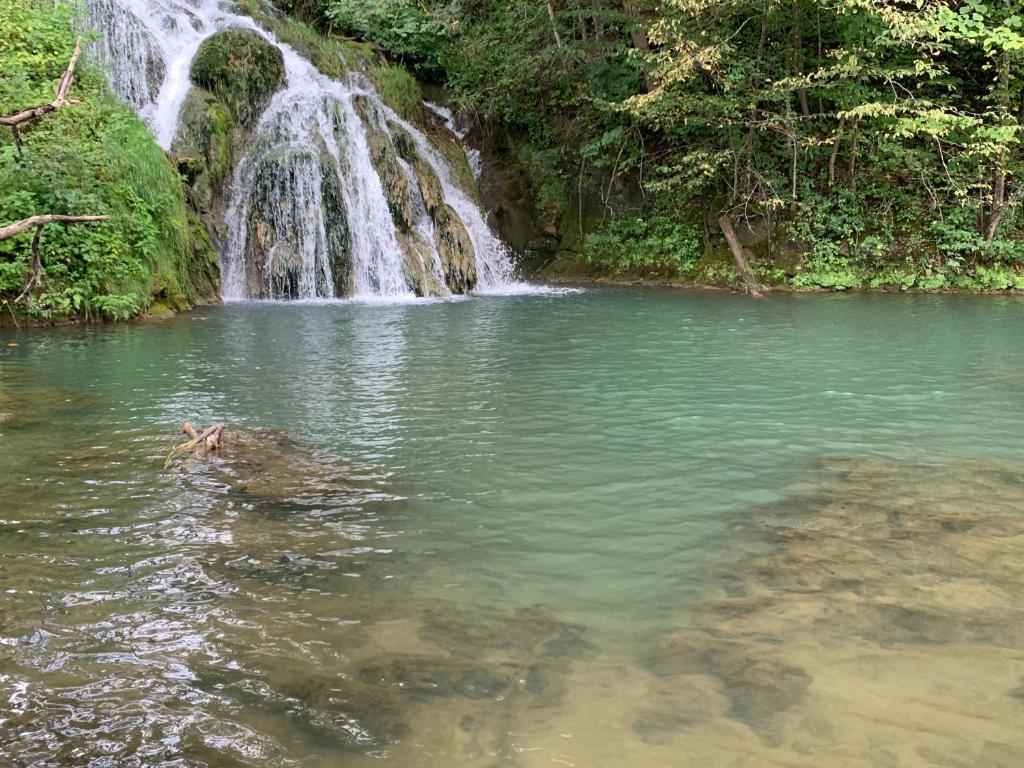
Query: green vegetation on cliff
point(92, 157)
point(850, 145)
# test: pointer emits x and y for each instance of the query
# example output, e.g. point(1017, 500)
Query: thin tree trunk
point(638, 36)
point(554, 25)
point(999, 188)
point(37, 267)
point(753, 287)
point(798, 47)
point(835, 152)
point(853, 155)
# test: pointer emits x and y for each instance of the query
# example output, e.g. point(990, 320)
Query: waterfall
point(330, 198)
point(460, 132)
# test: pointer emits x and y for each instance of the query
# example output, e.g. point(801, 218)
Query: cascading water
point(335, 193)
point(460, 132)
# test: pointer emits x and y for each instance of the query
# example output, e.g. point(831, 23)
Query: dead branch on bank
point(754, 288)
point(18, 119)
point(199, 444)
point(9, 231)
point(15, 122)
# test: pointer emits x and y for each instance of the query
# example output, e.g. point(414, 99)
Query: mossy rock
point(385, 162)
point(206, 141)
point(204, 263)
point(429, 184)
point(457, 255)
point(241, 69)
point(279, 231)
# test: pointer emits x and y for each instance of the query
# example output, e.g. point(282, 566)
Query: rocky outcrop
point(280, 229)
point(458, 259)
point(236, 73)
point(242, 70)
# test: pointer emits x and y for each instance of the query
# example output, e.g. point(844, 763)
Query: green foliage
point(332, 55)
point(93, 157)
point(403, 28)
point(658, 246)
point(399, 90)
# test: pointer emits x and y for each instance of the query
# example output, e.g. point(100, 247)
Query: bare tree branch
point(25, 225)
point(18, 119)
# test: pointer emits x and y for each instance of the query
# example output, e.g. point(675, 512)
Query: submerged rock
point(882, 581)
point(430, 676)
point(478, 631)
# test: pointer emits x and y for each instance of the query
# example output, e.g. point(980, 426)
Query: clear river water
point(598, 528)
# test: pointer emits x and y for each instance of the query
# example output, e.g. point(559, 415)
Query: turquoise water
point(452, 533)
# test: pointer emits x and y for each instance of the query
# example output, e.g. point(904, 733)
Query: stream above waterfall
point(500, 532)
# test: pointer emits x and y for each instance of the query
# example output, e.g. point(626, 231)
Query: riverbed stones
point(479, 631)
point(883, 581)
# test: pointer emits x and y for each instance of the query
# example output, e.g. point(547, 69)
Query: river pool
point(575, 528)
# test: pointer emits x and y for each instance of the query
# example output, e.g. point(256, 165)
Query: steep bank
point(305, 162)
point(94, 156)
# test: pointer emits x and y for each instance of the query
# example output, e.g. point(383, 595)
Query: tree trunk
point(753, 287)
point(25, 225)
point(999, 187)
point(554, 25)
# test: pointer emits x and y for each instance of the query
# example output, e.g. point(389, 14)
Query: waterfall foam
point(308, 215)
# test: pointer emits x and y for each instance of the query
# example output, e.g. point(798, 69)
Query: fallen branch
point(25, 225)
point(18, 119)
point(199, 443)
point(754, 288)
point(36, 280)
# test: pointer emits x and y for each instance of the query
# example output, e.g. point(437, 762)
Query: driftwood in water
point(18, 119)
point(753, 287)
point(199, 444)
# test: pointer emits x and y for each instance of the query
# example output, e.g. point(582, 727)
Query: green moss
point(399, 90)
point(241, 69)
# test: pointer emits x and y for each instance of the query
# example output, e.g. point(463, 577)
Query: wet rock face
point(128, 51)
point(242, 70)
point(458, 258)
point(236, 73)
point(396, 187)
point(390, 147)
point(296, 207)
point(456, 250)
